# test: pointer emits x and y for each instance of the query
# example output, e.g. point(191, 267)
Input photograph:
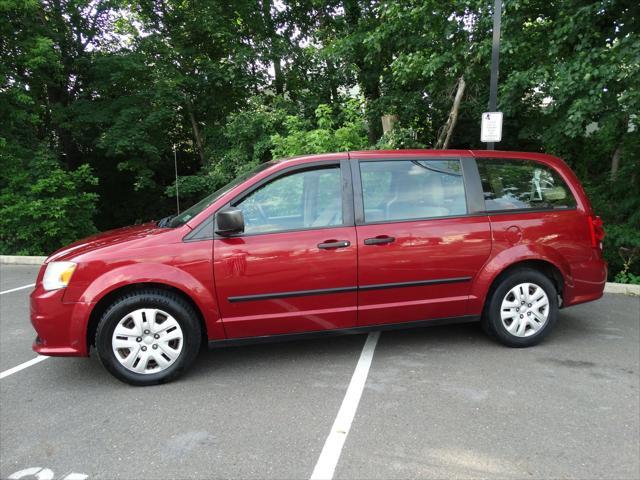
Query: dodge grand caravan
point(335, 243)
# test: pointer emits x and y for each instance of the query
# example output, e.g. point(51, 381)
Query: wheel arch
point(545, 267)
point(540, 257)
point(103, 304)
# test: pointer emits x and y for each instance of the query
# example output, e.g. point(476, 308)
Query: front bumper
point(61, 327)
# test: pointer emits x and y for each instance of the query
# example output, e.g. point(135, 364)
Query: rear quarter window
point(522, 184)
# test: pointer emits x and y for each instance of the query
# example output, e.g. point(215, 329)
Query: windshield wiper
point(164, 222)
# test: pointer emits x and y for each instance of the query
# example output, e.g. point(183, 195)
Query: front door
point(419, 248)
point(294, 269)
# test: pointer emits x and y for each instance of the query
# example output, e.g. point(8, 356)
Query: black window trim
point(206, 229)
point(507, 211)
point(470, 179)
point(352, 199)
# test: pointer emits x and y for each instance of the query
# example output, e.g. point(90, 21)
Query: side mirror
point(229, 222)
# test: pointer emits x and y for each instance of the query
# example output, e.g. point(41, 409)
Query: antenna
point(175, 164)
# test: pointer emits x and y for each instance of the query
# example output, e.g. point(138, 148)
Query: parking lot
point(441, 402)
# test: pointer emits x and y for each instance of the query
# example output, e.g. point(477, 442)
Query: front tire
point(523, 308)
point(148, 337)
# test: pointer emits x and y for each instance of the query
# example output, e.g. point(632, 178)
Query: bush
point(399, 138)
point(330, 136)
point(621, 250)
point(42, 206)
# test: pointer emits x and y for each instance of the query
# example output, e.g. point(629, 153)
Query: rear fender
point(508, 258)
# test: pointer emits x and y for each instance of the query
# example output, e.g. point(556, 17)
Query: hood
point(107, 239)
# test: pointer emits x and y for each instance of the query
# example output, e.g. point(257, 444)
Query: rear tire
point(522, 309)
point(148, 337)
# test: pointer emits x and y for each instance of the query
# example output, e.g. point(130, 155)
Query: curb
point(623, 288)
point(610, 287)
point(21, 260)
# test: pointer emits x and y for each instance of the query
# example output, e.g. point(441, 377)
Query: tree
point(112, 89)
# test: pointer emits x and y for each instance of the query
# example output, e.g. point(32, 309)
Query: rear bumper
point(61, 327)
point(589, 280)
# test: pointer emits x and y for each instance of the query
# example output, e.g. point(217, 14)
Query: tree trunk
point(57, 97)
point(615, 162)
point(368, 72)
point(447, 131)
point(279, 79)
point(196, 133)
point(371, 94)
point(333, 89)
point(58, 94)
point(273, 43)
point(388, 122)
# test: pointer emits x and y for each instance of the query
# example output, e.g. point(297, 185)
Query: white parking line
point(22, 366)
point(326, 465)
point(18, 288)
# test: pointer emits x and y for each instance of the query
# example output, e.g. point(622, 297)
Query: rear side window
point(522, 184)
point(412, 189)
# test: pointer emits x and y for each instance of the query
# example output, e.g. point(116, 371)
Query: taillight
point(596, 230)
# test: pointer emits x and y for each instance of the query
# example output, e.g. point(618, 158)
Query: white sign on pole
point(491, 130)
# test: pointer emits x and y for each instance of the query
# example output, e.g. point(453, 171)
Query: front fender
point(164, 274)
point(505, 259)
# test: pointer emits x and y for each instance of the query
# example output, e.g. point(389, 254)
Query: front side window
point(300, 200)
point(194, 210)
point(412, 189)
point(522, 184)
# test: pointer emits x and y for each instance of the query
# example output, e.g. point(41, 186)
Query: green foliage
point(399, 138)
point(112, 89)
point(618, 203)
point(625, 276)
point(43, 206)
point(349, 133)
point(245, 141)
point(618, 240)
point(628, 255)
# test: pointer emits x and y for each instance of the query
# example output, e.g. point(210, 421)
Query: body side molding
point(327, 291)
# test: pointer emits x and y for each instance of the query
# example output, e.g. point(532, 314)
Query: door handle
point(379, 240)
point(334, 244)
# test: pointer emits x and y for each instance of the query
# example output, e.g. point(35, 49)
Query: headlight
point(57, 275)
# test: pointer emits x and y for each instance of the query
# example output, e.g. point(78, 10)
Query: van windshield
point(194, 210)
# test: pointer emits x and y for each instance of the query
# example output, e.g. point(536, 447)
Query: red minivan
point(340, 243)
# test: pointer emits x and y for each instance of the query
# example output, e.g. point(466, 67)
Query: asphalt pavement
point(441, 402)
